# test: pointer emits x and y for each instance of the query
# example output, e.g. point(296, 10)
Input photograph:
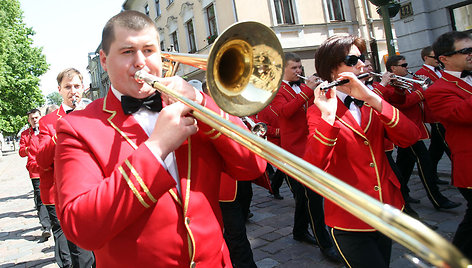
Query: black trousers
point(463, 237)
point(308, 210)
point(438, 145)
point(276, 179)
point(40, 207)
point(66, 253)
point(363, 249)
point(417, 153)
point(234, 221)
point(403, 186)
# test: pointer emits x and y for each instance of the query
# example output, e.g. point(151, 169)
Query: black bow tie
point(369, 82)
point(349, 99)
point(437, 68)
point(298, 82)
point(131, 105)
point(466, 73)
point(35, 128)
point(69, 111)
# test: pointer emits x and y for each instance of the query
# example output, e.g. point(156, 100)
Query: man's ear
point(103, 59)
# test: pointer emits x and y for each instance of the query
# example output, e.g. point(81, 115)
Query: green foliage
point(21, 65)
point(54, 98)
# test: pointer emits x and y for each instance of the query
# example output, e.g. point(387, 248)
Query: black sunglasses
point(431, 57)
point(465, 51)
point(351, 60)
point(404, 65)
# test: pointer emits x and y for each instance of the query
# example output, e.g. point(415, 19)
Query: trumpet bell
point(245, 68)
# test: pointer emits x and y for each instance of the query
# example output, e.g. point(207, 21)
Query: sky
point(67, 30)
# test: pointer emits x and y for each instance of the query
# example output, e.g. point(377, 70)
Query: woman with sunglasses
point(346, 139)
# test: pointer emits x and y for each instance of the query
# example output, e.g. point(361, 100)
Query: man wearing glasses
point(450, 98)
point(432, 70)
point(413, 108)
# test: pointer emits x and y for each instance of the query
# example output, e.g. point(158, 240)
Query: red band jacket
point(45, 155)
point(428, 114)
point(116, 199)
point(291, 109)
point(26, 140)
point(355, 154)
point(451, 101)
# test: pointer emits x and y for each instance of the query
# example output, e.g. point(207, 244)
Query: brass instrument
point(258, 129)
point(427, 80)
point(404, 82)
point(243, 75)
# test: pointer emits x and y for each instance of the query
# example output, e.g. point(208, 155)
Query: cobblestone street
point(269, 230)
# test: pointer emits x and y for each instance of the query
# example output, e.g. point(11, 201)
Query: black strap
point(131, 105)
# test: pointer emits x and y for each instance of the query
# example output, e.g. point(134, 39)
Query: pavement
point(269, 230)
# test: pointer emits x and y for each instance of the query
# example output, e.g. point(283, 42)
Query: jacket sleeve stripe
point(140, 181)
point(133, 189)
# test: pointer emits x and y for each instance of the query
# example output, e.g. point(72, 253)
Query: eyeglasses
point(352, 60)
point(431, 57)
point(464, 51)
point(404, 65)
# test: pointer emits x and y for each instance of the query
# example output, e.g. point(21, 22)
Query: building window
point(210, 13)
point(170, 2)
point(175, 41)
point(158, 8)
point(461, 18)
point(336, 11)
point(191, 37)
point(284, 11)
point(146, 10)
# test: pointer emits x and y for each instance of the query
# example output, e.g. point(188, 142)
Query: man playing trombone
point(138, 184)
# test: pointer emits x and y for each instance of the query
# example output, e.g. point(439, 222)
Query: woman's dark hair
point(332, 52)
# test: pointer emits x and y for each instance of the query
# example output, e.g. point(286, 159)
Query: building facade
point(420, 22)
point(191, 26)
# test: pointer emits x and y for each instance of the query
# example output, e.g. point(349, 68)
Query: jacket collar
point(459, 82)
point(345, 117)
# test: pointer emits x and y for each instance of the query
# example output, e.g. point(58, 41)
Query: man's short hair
point(33, 111)
point(392, 61)
point(445, 43)
point(69, 72)
point(291, 56)
point(426, 51)
point(129, 19)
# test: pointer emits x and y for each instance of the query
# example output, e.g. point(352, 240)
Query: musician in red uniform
point(70, 86)
point(139, 185)
point(290, 103)
point(269, 117)
point(29, 137)
point(347, 126)
point(413, 108)
point(450, 98)
point(438, 145)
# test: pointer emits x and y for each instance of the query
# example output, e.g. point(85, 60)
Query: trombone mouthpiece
point(139, 76)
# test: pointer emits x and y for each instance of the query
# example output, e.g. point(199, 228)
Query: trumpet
point(243, 76)
point(427, 80)
point(259, 129)
point(404, 82)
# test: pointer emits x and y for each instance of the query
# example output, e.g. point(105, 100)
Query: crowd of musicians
point(133, 180)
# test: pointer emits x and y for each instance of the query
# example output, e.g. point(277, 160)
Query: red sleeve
point(223, 144)
point(285, 105)
point(448, 106)
point(23, 144)
point(114, 201)
point(410, 99)
point(321, 140)
point(47, 145)
point(399, 129)
point(270, 118)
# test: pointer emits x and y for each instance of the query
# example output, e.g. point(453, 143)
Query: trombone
point(244, 71)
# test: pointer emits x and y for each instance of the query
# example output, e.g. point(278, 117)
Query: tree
point(54, 98)
point(21, 65)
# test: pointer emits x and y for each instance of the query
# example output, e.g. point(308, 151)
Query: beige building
point(190, 26)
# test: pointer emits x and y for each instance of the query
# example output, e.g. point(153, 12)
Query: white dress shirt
point(353, 108)
point(438, 73)
point(147, 120)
